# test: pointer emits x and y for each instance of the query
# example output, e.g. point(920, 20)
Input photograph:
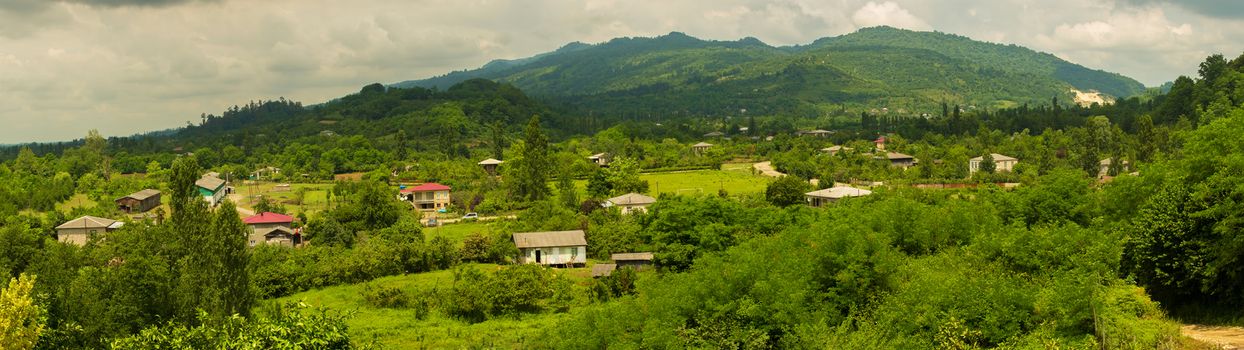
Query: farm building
point(637, 261)
point(556, 248)
point(490, 165)
point(139, 202)
point(600, 159)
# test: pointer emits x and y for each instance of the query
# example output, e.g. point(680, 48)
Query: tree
point(214, 276)
point(987, 164)
point(623, 176)
point(598, 185)
point(569, 195)
point(531, 181)
point(21, 319)
point(497, 131)
point(329, 232)
point(786, 191)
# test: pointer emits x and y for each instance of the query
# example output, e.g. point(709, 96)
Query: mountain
point(871, 68)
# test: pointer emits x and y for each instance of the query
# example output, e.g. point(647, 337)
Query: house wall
point(259, 238)
point(634, 208)
point(437, 199)
point(554, 255)
point(999, 166)
point(211, 197)
point(77, 236)
point(266, 227)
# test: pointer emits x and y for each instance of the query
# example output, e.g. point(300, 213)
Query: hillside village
point(476, 216)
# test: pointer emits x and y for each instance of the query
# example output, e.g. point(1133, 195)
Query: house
point(637, 261)
point(427, 197)
point(700, 148)
point(560, 248)
point(490, 165)
point(1105, 167)
point(212, 188)
point(630, 203)
point(265, 172)
point(139, 202)
point(898, 159)
point(272, 228)
point(1001, 163)
point(79, 231)
point(833, 194)
point(603, 270)
point(600, 159)
point(833, 150)
point(880, 143)
point(715, 134)
point(816, 133)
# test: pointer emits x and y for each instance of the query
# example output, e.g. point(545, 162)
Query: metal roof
point(549, 239)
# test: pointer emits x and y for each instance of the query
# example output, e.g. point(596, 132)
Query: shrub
point(385, 296)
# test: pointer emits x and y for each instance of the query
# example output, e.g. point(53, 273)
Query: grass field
point(734, 178)
point(400, 329)
point(78, 200)
point(457, 232)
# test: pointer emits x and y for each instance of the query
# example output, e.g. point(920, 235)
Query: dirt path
point(766, 168)
point(237, 200)
point(1226, 337)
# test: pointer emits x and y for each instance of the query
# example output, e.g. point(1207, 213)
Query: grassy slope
point(400, 329)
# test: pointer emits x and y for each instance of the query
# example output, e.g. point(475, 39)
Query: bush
point(385, 296)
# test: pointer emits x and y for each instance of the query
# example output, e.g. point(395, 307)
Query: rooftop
point(632, 199)
point(268, 218)
point(91, 222)
point(645, 256)
point(144, 194)
point(427, 187)
point(839, 192)
point(549, 239)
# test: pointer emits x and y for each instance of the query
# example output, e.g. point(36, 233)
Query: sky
point(130, 66)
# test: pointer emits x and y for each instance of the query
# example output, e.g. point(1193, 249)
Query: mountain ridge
point(876, 66)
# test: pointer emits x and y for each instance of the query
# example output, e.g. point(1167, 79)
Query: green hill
point(875, 67)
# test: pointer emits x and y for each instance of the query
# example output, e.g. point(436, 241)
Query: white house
point(630, 203)
point(212, 188)
point(556, 248)
point(833, 194)
point(1001, 163)
point(1105, 167)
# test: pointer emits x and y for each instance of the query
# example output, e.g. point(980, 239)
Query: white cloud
point(887, 13)
point(126, 66)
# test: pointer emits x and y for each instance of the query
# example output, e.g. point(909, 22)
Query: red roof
point(268, 218)
point(428, 187)
point(880, 139)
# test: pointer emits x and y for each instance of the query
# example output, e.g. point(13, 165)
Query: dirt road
point(766, 168)
point(237, 199)
point(1226, 337)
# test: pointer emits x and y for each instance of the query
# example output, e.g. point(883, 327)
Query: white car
point(470, 216)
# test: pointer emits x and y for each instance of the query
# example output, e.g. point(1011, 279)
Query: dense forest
point(1075, 255)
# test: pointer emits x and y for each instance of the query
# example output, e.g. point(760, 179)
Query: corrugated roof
point(702, 144)
point(646, 256)
point(142, 195)
point(549, 239)
point(210, 182)
point(490, 161)
point(596, 156)
point(268, 218)
point(428, 187)
point(632, 199)
point(839, 192)
point(602, 270)
point(896, 155)
point(88, 222)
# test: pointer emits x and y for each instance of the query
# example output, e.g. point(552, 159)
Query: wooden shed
point(139, 202)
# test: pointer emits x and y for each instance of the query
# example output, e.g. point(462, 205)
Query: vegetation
point(1049, 254)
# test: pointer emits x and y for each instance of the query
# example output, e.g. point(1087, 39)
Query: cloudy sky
point(127, 66)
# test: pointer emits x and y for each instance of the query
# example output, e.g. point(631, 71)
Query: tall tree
point(569, 195)
point(531, 181)
point(987, 164)
point(21, 319)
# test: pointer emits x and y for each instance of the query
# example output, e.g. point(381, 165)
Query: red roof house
point(268, 218)
point(427, 197)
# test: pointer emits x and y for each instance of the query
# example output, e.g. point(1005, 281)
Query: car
point(470, 216)
point(432, 223)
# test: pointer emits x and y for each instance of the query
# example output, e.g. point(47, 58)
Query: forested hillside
point(873, 68)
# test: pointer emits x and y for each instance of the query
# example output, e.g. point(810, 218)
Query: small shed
point(701, 147)
point(833, 194)
point(554, 248)
point(638, 261)
point(600, 159)
point(139, 202)
point(490, 165)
